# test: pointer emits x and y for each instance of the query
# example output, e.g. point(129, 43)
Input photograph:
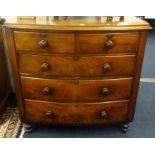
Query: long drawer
point(108, 43)
point(77, 65)
point(45, 42)
point(76, 90)
point(76, 114)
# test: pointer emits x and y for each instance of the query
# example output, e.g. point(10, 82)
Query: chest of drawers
point(77, 72)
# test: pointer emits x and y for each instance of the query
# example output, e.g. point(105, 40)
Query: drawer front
point(82, 66)
point(76, 90)
point(45, 42)
point(76, 114)
point(108, 43)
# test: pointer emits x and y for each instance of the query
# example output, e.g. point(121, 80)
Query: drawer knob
point(43, 43)
point(49, 114)
point(103, 114)
point(109, 44)
point(121, 18)
point(45, 66)
point(105, 91)
point(47, 91)
point(106, 67)
point(109, 18)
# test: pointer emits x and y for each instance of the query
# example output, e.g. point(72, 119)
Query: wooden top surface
point(78, 23)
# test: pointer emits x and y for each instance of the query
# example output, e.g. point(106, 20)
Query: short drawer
point(45, 42)
point(108, 43)
point(77, 65)
point(76, 114)
point(76, 89)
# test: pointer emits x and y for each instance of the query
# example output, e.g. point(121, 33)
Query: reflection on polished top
point(78, 23)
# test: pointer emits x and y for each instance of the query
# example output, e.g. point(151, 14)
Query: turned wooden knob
point(105, 91)
point(45, 66)
point(103, 114)
point(121, 18)
point(49, 114)
point(106, 67)
point(109, 18)
point(109, 44)
point(47, 91)
point(43, 43)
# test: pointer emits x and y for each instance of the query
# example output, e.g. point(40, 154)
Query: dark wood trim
point(140, 56)
point(17, 82)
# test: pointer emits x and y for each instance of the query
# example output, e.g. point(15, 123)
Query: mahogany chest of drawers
point(77, 71)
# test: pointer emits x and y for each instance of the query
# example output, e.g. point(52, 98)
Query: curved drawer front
point(45, 42)
point(82, 66)
point(76, 114)
point(108, 43)
point(76, 90)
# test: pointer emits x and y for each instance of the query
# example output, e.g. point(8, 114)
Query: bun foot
point(124, 127)
point(28, 128)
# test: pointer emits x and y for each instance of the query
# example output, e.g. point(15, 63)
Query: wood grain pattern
point(85, 66)
point(75, 114)
point(77, 71)
point(76, 90)
point(57, 42)
point(96, 43)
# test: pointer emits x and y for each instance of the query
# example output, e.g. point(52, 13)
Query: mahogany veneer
point(77, 71)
